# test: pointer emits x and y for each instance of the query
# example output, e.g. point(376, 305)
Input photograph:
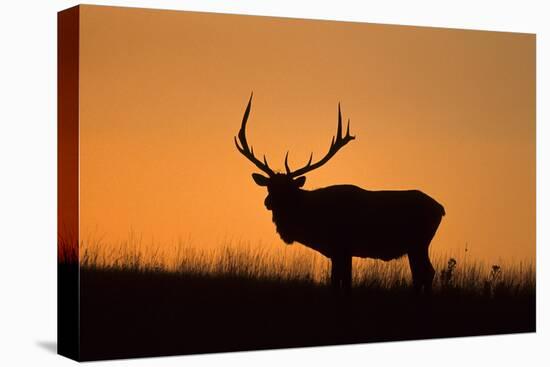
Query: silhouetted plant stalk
point(447, 274)
point(494, 281)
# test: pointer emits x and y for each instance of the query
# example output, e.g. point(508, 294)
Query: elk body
point(343, 221)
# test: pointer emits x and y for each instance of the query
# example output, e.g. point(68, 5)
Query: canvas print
point(234, 183)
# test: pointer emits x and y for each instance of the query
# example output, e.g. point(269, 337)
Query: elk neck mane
point(287, 218)
point(293, 219)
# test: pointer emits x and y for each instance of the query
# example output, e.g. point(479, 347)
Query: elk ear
point(259, 179)
point(300, 181)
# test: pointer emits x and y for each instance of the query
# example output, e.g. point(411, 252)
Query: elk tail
point(441, 209)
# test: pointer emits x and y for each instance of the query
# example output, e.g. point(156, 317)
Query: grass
point(138, 301)
point(296, 263)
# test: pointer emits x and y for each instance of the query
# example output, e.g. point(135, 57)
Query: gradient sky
point(448, 112)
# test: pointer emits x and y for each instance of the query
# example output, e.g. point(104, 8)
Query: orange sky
point(449, 112)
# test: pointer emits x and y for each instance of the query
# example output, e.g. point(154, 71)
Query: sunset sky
point(162, 94)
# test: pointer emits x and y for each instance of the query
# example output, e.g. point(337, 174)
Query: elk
point(343, 221)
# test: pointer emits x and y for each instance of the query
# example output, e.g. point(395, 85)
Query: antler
point(245, 150)
point(337, 142)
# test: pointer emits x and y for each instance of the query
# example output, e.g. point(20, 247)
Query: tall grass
point(297, 263)
point(67, 251)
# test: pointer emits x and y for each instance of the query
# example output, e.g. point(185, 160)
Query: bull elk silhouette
point(343, 221)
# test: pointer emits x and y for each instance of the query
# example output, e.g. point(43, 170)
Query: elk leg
point(346, 274)
point(416, 271)
point(335, 274)
point(422, 270)
point(429, 272)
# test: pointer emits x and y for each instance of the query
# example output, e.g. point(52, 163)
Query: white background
point(28, 183)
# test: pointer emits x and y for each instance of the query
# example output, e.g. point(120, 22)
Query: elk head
point(283, 188)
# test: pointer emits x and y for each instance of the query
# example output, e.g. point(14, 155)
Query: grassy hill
point(243, 301)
